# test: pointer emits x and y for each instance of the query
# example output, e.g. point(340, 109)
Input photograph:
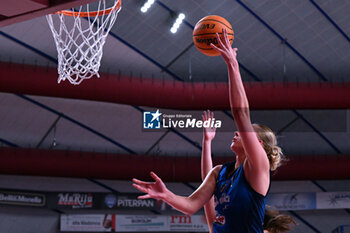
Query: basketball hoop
point(80, 42)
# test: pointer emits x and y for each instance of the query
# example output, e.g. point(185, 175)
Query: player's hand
point(156, 190)
point(208, 132)
point(227, 52)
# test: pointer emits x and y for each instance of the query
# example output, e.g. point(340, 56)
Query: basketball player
point(239, 188)
point(274, 222)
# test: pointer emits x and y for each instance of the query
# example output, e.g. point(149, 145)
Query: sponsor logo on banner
point(194, 223)
point(180, 219)
point(151, 120)
point(333, 200)
point(139, 223)
point(110, 200)
point(21, 198)
point(292, 201)
point(86, 223)
point(157, 120)
point(132, 202)
point(75, 200)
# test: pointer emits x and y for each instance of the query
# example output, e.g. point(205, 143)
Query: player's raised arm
point(257, 161)
point(187, 205)
point(207, 163)
point(208, 136)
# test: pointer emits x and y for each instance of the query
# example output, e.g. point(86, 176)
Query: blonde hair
point(274, 222)
point(274, 152)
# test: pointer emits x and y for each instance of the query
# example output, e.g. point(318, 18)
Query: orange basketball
point(205, 31)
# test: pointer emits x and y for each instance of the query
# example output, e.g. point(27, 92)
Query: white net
point(79, 37)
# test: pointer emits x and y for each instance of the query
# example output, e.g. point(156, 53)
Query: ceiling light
point(146, 6)
point(177, 23)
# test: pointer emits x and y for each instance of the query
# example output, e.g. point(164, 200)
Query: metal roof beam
point(283, 39)
point(77, 123)
point(330, 20)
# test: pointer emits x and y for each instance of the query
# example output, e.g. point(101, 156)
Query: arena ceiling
point(278, 41)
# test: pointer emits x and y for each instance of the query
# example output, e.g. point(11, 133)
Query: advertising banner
point(194, 223)
point(292, 201)
point(73, 200)
point(69, 200)
point(22, 198)
point(140, 223)
point(132, 223)
point(87, 222)
point(130, 201)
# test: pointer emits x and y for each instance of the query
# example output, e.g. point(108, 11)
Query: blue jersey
point(239, 208)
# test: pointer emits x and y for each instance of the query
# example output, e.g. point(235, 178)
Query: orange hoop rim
point(92, 13)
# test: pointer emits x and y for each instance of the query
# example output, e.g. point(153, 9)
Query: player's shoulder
point(216, 169)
